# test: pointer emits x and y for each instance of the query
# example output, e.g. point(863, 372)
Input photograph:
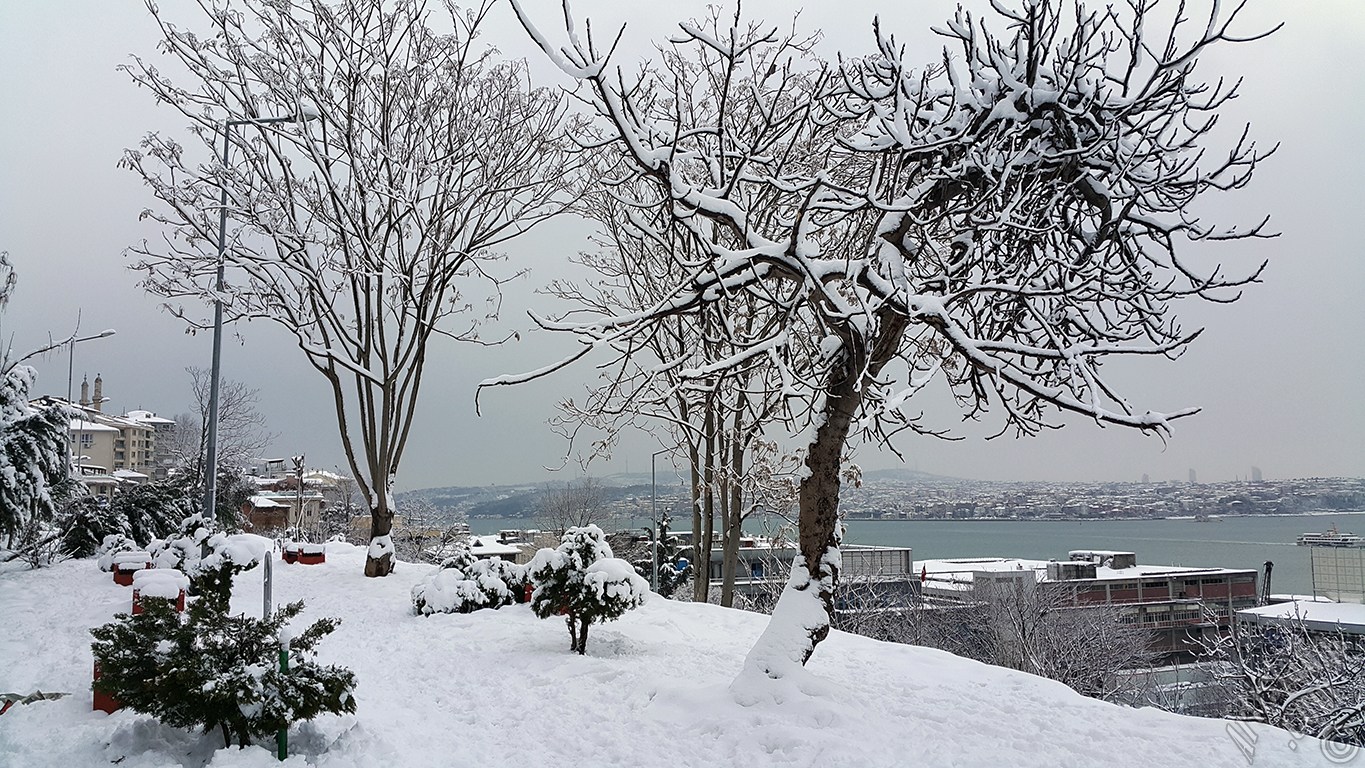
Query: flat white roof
point(1315, 614)
point(147, 417)
point(960, 567)
point(80, 425)
point(489, 545)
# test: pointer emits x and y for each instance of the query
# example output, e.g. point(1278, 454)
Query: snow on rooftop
point(489, 546)
point(496, 688)
point(81, 425)
point(1316, 614)
point(147, 417)
point(962, 568)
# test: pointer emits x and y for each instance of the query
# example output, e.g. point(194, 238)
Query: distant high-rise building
point(1255, 474)
point(1193, 477)
point(1145, 479)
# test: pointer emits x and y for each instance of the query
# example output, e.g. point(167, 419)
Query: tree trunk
point(704, 503)
point(379, 560)
point(732, 511)
point(582, 639)
point(801, 619)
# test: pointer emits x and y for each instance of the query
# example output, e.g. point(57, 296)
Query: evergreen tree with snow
point(212, 670)
point(155, 510)
point(582, 581)
point(33, 458)
point(85, 522)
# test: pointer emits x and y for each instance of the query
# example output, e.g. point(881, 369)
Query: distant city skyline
point(1277, 374)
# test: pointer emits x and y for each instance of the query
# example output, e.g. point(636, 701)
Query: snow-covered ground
point(500, 688)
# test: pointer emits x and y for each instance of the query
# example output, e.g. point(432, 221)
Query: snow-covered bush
point(582, 581)
point(184, 549)
point(464, 584)
point(111, 547)
point(208, 669)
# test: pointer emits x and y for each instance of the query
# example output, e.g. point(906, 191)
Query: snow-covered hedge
point(464, 584)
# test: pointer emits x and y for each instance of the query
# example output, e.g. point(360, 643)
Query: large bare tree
point(998, 222)
point(367, 231)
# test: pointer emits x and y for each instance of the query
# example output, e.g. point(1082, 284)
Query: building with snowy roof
point(1315, 615)
point(1181, 605)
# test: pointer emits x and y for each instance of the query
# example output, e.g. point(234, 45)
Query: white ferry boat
point(1331, 538)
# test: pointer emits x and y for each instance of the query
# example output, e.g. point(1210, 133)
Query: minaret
point(99, 393)
point(85, 392)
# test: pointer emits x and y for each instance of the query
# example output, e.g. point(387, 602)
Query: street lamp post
point(653, 513)
point(211, 436)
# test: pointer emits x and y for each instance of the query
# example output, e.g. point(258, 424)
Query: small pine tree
point(583, 582)
point(208, 669)
point(671, 577)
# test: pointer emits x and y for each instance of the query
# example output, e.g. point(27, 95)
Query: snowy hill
point(500, 688)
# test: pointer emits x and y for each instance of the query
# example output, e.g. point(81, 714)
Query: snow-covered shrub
point(582, 581)
point(208, 669)
point(464, 584)
point(113, 545)
point(184, 549)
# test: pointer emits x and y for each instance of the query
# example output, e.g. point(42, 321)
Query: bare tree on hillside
point(998, 223)
point(242, 433)
point(573, 505)
point(366, 231)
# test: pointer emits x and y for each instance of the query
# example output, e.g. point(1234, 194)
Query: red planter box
point(137, 602)
point(312, 558)
point(123, 572)
point(104, 702)
point(290, 555)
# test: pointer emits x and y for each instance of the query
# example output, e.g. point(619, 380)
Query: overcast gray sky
point(1279, 374)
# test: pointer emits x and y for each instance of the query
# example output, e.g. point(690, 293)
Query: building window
point(87, 440)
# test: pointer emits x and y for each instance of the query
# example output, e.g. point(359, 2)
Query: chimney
point(99, 393)
point(85, 391)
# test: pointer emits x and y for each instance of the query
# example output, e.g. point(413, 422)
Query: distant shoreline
point(1191, 518)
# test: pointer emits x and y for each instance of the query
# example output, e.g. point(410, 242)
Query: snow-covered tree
point(154, 510)
point(369, 230)
point(997, 223)
point(209, 669)
point(34, 459)
point(86, 521)
point(581, 581)
point(1290, 676)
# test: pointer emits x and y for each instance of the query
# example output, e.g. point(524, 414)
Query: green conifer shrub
point(210, 670)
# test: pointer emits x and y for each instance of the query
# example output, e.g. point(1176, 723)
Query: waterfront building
point(1180, 605)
